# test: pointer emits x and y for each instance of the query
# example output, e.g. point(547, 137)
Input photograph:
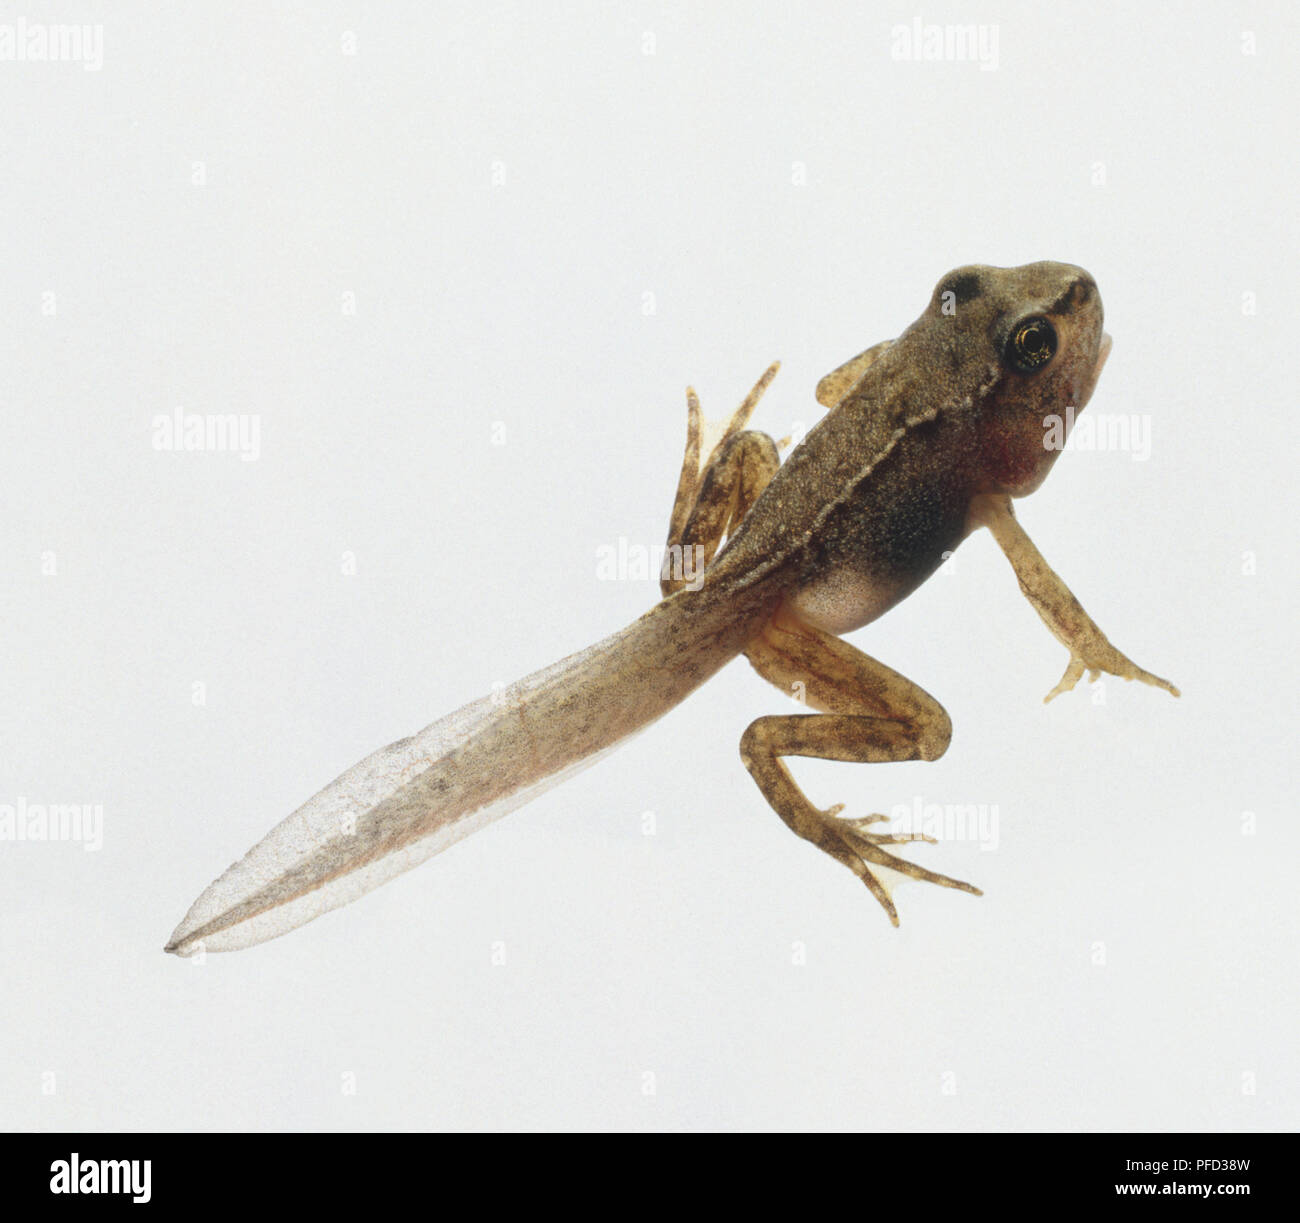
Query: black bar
point(338, 1172)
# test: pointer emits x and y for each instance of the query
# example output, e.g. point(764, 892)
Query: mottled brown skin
point(928, 437)
point(883, 484)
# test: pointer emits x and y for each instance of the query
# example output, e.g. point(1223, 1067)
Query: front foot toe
point(1117, 665)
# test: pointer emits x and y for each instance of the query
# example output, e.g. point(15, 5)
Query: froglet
point(927, 438)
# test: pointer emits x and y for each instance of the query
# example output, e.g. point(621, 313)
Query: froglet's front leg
point(1090, 650)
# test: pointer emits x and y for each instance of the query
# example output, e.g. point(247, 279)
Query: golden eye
point(1032, 345)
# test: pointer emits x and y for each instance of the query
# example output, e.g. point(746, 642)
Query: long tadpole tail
point(410, 800)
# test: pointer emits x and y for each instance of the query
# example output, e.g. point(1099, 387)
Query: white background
point(689, 192)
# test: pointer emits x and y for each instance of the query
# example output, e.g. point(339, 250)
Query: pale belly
point(846, 599)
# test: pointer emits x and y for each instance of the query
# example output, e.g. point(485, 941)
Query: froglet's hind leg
point(871, 714)
point(712, 500)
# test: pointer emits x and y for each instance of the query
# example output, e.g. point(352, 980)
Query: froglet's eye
point(1032, 345)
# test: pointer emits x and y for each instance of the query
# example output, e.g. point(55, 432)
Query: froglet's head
point(1030, 345)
